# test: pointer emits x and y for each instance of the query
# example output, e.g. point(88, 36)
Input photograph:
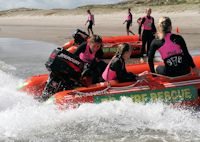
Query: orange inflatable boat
point(110, 45)
point(183, 90)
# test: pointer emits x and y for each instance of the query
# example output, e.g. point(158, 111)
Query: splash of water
point(4, 66)
point(23, 119)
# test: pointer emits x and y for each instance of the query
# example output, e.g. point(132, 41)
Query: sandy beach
point(58, 29)
point(23, 118)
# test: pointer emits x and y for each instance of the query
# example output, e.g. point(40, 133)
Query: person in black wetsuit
point(90, 20)
point(149, 29)
point(91, 53)
point(128, 22)
point(116, 69)
point(173, 51)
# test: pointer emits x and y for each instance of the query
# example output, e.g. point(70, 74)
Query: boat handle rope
point(101, 92)
point(168, 77)
point(129, 86)
point(105, 91)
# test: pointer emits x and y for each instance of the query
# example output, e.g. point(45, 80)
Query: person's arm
point(139, 20)
point(188, 56)
point(116, 66)
point(122, 74)
point(81, 48)
point(99, 54)
point(140, 26)
point(87, 21)
point(186, 53)
point(131, 19)
point(153, 26)
point(93, 20)
point(151, 54)
point(125, 21)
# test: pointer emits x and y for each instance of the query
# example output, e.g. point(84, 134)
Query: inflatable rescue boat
point(183, 90)
point(110, 45)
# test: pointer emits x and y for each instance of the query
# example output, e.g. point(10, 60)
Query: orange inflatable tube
point(35, 84)
point(110, 45)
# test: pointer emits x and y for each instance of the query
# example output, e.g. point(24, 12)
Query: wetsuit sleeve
point(140, 27)
point(122, 74)
point(81, 48)
point(153, 26)
point(99, 54)
point(131, 18)
point(185, 51)
point(153, 47)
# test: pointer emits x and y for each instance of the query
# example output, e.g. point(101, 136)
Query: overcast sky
point(49, 4)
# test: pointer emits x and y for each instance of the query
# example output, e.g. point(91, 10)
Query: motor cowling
point(80, 36)
point(63, 62)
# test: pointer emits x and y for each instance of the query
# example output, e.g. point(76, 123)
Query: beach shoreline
point(58, 29)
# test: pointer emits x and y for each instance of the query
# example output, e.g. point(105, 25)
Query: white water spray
point(24, 119)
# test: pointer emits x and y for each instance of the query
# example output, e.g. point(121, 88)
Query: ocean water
point(24, 119)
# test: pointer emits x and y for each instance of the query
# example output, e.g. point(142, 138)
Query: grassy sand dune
point(137, 6)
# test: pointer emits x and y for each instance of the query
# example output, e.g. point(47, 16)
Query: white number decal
point(174, 61)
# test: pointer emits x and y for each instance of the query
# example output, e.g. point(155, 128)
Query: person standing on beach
point(149, 29)
point(128, 22)
point(90, 20)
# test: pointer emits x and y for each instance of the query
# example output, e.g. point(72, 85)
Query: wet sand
point(58, 29)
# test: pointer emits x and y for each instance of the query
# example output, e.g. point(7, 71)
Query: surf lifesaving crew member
point(116, 69)
point(173, 51)
point(90, 20)
point(128, 22)
point(149, 29)
point(91, 53)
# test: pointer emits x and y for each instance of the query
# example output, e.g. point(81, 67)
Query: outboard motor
point(80, 36)
point(64, 62)
point(65, 70)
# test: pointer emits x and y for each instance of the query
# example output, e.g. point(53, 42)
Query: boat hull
point(184, 95)
point(182, 90)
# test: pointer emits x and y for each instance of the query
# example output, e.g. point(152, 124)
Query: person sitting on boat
point(116, 69)
point(173, 51)
point(91, 53)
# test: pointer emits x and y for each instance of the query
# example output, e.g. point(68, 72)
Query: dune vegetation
point(137, 6)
